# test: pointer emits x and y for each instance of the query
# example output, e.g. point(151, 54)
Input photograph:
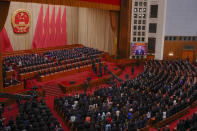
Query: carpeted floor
point(10, 112)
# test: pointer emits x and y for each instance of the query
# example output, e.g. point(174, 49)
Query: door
point(188, 54)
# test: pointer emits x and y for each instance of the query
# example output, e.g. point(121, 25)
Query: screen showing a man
point(139, 51)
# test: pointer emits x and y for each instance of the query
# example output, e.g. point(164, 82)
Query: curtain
point(114, 25)
point(95, 29)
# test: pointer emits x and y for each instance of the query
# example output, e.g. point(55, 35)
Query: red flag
point(52, 41)
point(46, 30)
point(38, 37)
point(58, 27)
point(5, 41)
point(64, 33)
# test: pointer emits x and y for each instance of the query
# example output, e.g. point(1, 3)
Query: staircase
point(52, 90)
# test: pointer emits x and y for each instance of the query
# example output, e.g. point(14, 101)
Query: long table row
point(55, 70)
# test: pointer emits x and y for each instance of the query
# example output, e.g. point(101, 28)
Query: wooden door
point(188, 54)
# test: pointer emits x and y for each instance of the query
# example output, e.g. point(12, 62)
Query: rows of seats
point(67, 63)
point(55, 68)
point(88, 51)
point(27, 60)
point(29, 65)
point(160, 91)
point(33, 115)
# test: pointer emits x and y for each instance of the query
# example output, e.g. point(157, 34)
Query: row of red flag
point(50, 33)
point(5, 41)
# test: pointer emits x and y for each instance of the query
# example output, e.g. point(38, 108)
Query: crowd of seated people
point(160, 91)
point(189, 123)
point(33, 116)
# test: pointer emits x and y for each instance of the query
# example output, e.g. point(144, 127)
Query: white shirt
point(72, 118)
point(174, 102)
point(148, 115)
point(117, 113)
point(164, 115)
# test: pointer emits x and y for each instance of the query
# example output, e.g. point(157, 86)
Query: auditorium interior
point(98, 65)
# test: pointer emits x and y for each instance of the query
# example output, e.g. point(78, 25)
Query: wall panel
point(91, 27)
point(176, 47)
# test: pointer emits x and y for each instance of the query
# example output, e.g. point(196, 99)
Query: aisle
point(50, 104)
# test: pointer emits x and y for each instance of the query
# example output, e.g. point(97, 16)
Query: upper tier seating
point(47, 62)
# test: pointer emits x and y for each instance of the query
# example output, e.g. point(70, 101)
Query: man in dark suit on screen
point(139, 51)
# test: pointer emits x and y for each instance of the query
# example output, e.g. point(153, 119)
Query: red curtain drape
point(5, 41)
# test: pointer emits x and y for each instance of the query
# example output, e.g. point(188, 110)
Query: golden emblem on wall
point(21, 21)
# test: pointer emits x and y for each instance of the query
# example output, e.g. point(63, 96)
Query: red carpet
point(10, 111)
point(52, 90)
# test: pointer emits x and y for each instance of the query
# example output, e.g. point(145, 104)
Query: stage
point(75, 81)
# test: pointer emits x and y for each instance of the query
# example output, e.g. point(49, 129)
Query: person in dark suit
point(139, 51)
point(132, 70)
point(100, 70)
point(85, 86)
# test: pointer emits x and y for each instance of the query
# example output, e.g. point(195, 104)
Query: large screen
point(138, 49)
